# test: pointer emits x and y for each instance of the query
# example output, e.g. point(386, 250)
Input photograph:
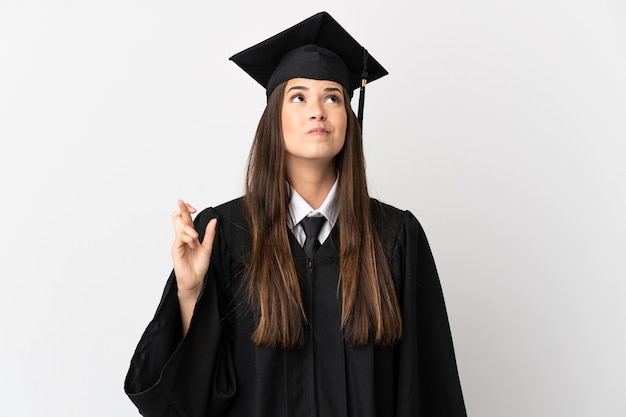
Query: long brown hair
point(369, 301)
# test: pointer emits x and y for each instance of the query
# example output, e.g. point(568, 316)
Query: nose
point(317, 111)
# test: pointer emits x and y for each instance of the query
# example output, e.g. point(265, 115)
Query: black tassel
point(362, 90)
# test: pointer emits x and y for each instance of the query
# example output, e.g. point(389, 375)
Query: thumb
point(209, 234)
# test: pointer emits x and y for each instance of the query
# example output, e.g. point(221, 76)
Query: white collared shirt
point(299, 209)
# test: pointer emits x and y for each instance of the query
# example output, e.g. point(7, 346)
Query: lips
point(318, 131)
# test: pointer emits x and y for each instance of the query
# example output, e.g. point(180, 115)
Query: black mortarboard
point(317, 48)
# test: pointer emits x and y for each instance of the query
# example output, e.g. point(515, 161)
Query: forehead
point(311, 84)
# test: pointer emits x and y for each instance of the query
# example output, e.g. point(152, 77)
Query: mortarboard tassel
point(362, 90)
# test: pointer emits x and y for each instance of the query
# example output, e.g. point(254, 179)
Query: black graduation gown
point(216, 370)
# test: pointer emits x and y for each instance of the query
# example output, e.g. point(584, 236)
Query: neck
point(312, 183)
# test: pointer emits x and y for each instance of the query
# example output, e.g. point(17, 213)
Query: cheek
point(289, 121)
point(342, 142)
point(342, 127)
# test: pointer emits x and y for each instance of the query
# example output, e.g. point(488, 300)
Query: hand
point(191, 258)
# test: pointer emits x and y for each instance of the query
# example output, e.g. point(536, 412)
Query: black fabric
point(216, 370)
point(313, 62)
point(317, 48)
point(312, 227)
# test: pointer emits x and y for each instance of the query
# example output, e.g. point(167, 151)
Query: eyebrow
point(303, 88)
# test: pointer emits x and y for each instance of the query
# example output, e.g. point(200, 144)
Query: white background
point(501, 127)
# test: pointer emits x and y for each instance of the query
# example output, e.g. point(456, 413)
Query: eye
point(333, 98)
point(297, 98)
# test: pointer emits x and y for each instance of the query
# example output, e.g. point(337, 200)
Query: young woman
point(305, 297)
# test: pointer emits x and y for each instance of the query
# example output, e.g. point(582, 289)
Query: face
point(314, 120)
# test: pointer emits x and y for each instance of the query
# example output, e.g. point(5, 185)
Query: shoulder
point(230, 218)
point(231, 211)
point(394, 224)
point(391, 217)
point(233, 233)
point(386, 213)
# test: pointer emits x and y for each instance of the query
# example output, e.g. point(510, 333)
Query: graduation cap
point(317, 48)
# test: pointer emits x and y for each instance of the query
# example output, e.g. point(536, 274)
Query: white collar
point(299, 209)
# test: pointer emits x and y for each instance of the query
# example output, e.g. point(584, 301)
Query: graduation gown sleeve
point(172, 376)
point(428, 381)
